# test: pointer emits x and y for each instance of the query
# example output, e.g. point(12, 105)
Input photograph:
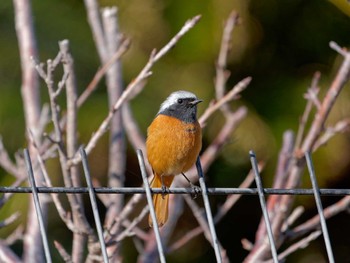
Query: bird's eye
point(180, 101)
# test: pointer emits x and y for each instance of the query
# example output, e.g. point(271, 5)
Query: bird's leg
point(195, 188)
point(164, 188)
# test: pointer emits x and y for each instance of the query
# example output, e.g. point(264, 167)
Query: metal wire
point(263, 206)
point(204, 191)
point(208, 212)
point(319, 207)
point(39, 214)
point(151, 207)
point(94, 205)
point(180, 190)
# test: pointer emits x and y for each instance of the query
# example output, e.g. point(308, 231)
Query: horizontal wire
point(140, 190)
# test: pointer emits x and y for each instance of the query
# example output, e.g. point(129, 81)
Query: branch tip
point(333, 45)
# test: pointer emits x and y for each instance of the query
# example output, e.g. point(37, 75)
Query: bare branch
point(330, 132)
point(198, 213)
point(130, 89)
point(64, 254)
point(221, 73)
point(314, 222)
point(189, 24)
point(122, 48)
point(306, 114)
point(95, 21)
point(303, 243)
point(7, 164)
point(117, 144)
point(12, 218)
point(7, 255)
point(238, 88)
point(327, 104)
point(55, 197)
point(336, 47)
point(32, 248)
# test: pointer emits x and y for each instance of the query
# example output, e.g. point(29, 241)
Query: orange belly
point(172, 145)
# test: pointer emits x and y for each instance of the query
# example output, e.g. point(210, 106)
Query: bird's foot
point(165, 191)
point(196, 191)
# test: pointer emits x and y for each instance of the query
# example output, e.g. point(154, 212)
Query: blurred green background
point(279, 43)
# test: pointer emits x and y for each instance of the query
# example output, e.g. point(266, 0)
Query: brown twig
point(132, 130)
point(130, 89)
point(117, 144)
point(232, 94)
point(298, 245)
point(55, 197)
point(232, 121)
point(222, 74)
point(7, 255)
point(32, 248)
point(198, 214)
point(303, 121)
point(330, 132)
point(222, 211)
point(313, 223)
point(82, 226)
point(327, 104)
point(9, 220)
point(6, 162)
point(280, 178)
point(95, 22)
point(64, 254)
point(261, 249)
point(122, 48)
point(15, 236)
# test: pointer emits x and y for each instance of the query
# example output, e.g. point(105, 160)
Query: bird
point(174, 141)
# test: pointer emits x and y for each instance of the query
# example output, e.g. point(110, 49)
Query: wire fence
point(260, 191)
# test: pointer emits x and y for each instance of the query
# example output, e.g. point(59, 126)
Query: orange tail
point(160, 201)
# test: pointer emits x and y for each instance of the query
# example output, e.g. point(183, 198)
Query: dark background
point(279, 43)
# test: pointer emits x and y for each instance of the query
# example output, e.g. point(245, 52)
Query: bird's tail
point(160, 201)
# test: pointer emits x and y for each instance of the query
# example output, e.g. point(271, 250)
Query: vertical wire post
point(37, 205)
point(150, 204)
point(94, 204)
point(263, 205)
point(318, 201)
point(208, 211)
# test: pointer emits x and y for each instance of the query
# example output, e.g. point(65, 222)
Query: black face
point(184, 109)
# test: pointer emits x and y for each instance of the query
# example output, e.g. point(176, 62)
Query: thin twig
point(129, 230)
point(7, 255)
point(199, 215)
point(7, 164)
point(95, 22)
point(306, 114)
point(64, 254)
point(222, 73)
point(130, 89)
point(122, 48)
point(9, 220)
point(55, 197)
point(232, 94)
point(298, 245)
point(330, 132)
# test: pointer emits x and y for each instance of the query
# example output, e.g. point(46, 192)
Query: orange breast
point(172, 146)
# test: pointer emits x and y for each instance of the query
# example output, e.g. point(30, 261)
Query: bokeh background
point(279, 43)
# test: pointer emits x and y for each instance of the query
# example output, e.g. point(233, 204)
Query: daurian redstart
point(174, 140)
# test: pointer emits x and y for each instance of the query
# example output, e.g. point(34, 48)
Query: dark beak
point(195, 102)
